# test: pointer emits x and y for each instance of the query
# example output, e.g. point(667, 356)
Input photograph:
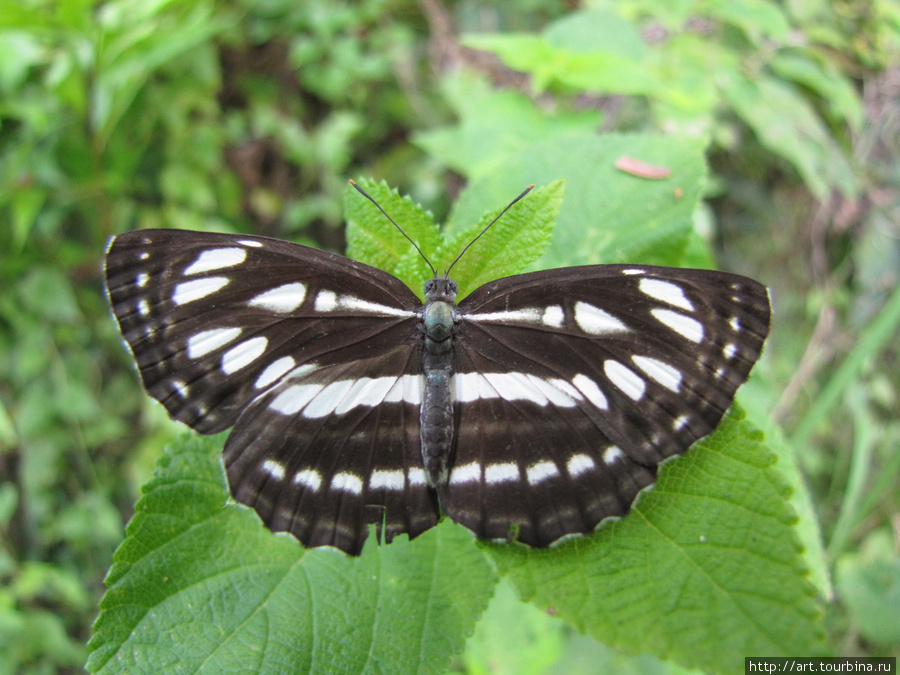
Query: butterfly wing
point(325, 454)
point(572, 385)
point(316, 358)
point(214, 320)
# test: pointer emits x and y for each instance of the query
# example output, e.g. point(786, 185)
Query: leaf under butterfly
point(198, 586)
point(707, 569)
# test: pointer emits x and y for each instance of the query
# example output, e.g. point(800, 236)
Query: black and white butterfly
point(533, 409)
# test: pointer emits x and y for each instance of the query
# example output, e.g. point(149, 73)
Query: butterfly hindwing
point(325, 454)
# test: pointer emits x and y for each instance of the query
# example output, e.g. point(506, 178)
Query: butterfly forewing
point(214, 320)
point(573, 384)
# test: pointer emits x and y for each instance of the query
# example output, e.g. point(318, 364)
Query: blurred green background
point(250, 116)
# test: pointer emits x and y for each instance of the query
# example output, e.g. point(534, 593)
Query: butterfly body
point(436, 419)
point(535, 408)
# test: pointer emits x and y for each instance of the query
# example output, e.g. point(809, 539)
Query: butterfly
point(531, 410)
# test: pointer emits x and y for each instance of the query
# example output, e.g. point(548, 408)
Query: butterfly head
point(441, 289)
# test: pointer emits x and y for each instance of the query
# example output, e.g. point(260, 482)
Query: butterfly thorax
point(436, 414)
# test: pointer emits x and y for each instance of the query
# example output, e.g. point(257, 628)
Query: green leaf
point(518, 238)
point(595, 50)
point(759, 19)
point(608, 216)
point(868, 583)
point(705, 570)
point(200, 585)
point(785, 123)
point(495, 123)
point(373, 239)
point(824, 78)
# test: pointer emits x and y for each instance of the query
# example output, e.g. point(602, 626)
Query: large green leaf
point(595, 50)
point(200, 586)
point(705, 570)
point(495, 123)
point(609, 216)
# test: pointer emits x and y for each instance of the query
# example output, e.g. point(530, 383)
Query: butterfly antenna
point(499, 215)
point(393, 222)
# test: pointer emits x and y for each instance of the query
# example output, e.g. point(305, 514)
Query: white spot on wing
point(633, 270)
point(274, 371)
point(417, 477)
point(389, 480)
point(612, 453)
point(274, 469)
point(216, 259)
point(501, 473)
point(348, 482)
point(625, 379)
point(553, 316)
point(665, 291)
point(541, 471)
point(208, 341)
point(685, 326)
point(294, 398)
point(352, 304)
point(325, 402)
point(143, 307)
point(142, 279)
point(242, 355)
point(595, 321)
point(407, 388)
point(468, 387)
point(591, 391)
point(555, 394)
point(729, 350)
point(527, 315)
point(566, 389)
point(189, 291)
point(282, 299)
point(310, 478)
point(250, 242)
point(467, 473)
point(680, 422)
point(515, 387)
point(666, 375)
point(326, 301)
point(735, 324)
point(366, 391)
point(579, 464)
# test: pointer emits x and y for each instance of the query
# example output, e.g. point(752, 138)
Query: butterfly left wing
point(314, 356)
point(214, 320)
point(571, 385)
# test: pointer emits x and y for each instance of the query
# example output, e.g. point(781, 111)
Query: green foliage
point(201, 585)
point(718, 521)
point(762, 76)
point(250, 115)
point(520, 237)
